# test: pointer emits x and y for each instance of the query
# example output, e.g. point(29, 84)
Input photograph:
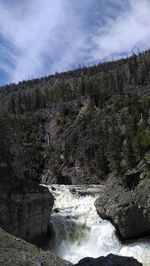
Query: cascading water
point(80, 232)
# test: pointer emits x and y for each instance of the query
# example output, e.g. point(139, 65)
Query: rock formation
point(25, 213)
point(112, 260)
point(127, 210)
point(14, 251)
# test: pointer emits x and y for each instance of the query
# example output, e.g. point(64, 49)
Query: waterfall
point(80, 232)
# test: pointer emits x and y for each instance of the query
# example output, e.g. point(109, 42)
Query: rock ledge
point(127, 210)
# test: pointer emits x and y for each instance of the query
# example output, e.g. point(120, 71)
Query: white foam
point(80, 232)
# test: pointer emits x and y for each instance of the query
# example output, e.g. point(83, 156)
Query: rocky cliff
point(127, 209)
point(25, 212)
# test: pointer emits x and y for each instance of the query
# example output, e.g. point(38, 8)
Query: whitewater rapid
point(80, 232)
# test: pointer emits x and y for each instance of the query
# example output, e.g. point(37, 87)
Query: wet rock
point(83, 193)
point(53, 188)
point(73, 190)
point(127, 210)
point(110, 260)
point(56, 210)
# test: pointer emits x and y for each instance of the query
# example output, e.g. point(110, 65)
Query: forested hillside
point(79, 126)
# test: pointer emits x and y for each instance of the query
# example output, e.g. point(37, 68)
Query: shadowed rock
point(25, 213)
point(127, 210)
point(110, 260)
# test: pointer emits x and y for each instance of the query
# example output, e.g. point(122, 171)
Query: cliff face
point(128, 210)
point(26, 213)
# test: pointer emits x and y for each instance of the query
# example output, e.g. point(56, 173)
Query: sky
point(41, 37)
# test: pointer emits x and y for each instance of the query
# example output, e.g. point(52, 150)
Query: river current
point(80, 232)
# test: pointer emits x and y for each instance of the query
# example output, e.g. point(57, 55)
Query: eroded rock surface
point(25, 213)
point(127, 210)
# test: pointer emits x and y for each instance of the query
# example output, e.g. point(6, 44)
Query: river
point(80, 232)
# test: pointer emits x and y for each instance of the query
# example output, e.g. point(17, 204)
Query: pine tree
point(114, 148)
point(12, 104)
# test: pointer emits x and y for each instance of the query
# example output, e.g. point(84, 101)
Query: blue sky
point(44, 36)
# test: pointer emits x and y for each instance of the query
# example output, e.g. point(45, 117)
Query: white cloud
point(44, 36)
point(41, 30)
point(129, 31)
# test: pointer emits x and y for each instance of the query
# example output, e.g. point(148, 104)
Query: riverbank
point(17, 252)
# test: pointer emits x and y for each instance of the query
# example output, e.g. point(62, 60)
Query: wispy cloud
point(124, 34)
point(43, 36)
point(44, 33)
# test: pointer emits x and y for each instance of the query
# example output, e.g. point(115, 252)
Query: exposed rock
point(56, 210)
point(73, 190)
point(49, 259)
point(110, 260)
point(127, 210)
point(26, 213)
point(16, 252)
point(53, 188)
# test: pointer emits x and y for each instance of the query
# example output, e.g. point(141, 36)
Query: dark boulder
point(110, 260)
point(73, 190)
point(127, 210)
point(56, 210)
point(53, 188)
